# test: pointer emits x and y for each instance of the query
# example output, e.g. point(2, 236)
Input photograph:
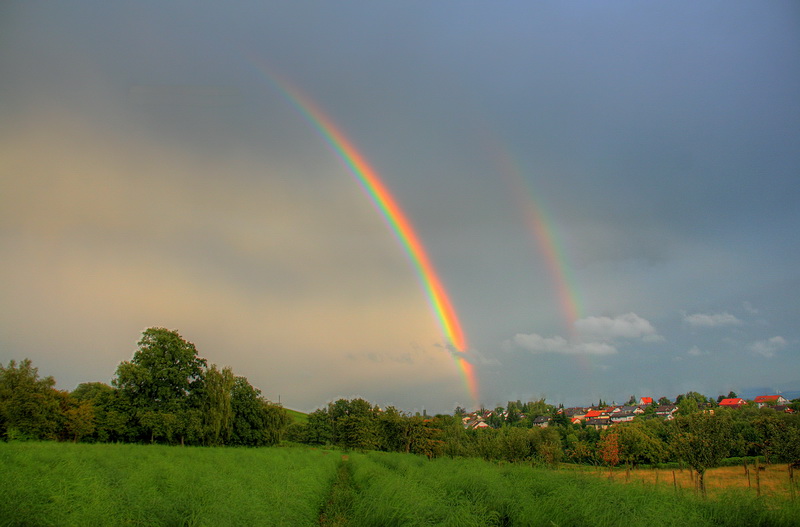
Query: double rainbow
point(398, 221)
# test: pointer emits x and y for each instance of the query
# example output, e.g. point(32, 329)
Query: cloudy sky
point(608, 192)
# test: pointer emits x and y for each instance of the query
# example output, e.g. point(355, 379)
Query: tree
point(216, 398)
point(163, 372)
point(256, 421)
point(608, 449)
point(638, 445)
point(30, 407)
point(80, 420)
point(513, 413)
point(702, 440)
point(319, 430)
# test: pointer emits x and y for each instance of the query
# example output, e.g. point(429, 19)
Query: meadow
point(105, 484)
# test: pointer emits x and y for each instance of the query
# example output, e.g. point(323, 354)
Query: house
point(737, 402)
point(574, 413)
point(543, 421)
point(598, 424)
point(667, 411)
point(785, 408)
point(593, 414)
point(622, 417)
point(637, 410)
point(645, 401)
point(764, 400)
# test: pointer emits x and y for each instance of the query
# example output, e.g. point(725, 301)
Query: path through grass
point(338, 507)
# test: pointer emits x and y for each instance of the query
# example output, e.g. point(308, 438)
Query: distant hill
point(297, 417)
point(752, 393)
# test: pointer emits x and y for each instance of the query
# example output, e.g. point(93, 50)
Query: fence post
point(747, 473)
point(758, 480)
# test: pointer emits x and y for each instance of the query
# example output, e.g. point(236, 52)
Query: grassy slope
point(297, 417)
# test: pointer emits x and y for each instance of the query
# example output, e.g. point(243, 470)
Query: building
point(736, 402)
point(765, 400)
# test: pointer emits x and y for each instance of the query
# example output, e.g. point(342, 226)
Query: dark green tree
point(30, 406)
point(163, 373)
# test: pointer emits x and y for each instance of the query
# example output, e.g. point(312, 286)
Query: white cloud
point(627, 326)
point(768, 348)
point(537, 344)
point(705, 320)
point(747, 306)
point(696, 352)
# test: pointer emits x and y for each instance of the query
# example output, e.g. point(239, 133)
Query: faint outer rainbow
point(546, 239)
point(394, 215)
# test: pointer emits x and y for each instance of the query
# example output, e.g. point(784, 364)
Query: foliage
point(702, 440)
point(30, 406)
point(163, 373)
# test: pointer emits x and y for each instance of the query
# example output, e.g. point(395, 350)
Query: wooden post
point(758, 480)
point(656, 477)
point(791, 480)
point(674, 481)
point(747, 471)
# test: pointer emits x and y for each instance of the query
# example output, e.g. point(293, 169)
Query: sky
point(606, 192)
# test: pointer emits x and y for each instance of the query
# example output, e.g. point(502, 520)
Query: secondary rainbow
point(546, 239)
point(398, 221)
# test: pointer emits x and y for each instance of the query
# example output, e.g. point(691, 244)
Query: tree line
point(700, 437)
point(166, 393)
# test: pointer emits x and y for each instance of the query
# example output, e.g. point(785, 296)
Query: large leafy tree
point(163, 372)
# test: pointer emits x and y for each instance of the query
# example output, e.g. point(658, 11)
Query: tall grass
point(401, 490)
point(66, 484)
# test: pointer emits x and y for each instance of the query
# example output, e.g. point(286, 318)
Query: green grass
point(394, 489)
point(66, 484)
point(297, 417)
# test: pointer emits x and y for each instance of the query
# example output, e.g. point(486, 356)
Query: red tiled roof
point(766, 398)
point(732, 402)
point(592, 413)
point(647, 400)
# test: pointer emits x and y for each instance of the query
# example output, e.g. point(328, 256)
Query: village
point(603, 416)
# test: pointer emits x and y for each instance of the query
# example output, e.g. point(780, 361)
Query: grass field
point(68, 484)
point(770, 480)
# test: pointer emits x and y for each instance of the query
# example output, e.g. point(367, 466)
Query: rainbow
point(398, 222)
point(546, 239)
